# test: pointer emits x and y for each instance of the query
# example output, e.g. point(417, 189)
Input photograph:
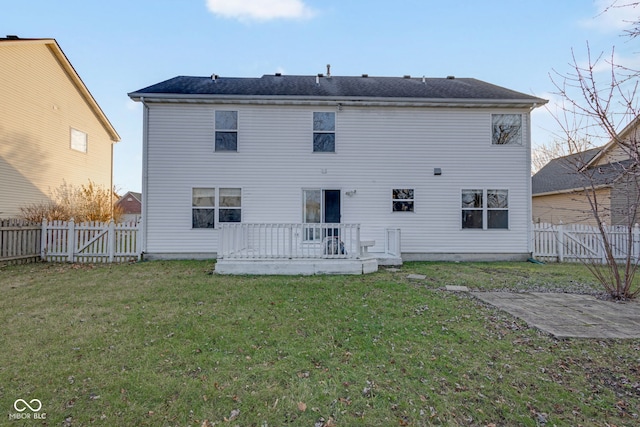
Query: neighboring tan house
point(444, 160)
point(52, 130)
point(607, 173)
point(131, 206)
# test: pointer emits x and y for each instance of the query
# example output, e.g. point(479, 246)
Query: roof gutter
point(571, 190)
point(323, 100)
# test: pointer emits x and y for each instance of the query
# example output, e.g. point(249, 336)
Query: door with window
point(320, 207)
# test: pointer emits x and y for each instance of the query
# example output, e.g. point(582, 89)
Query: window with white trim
point(226, 128)
point(402, 199)
point(485, 209)
point(205, 213)
point(506, 129)
point(78, 140)
point(324, 132)
point(203, 204)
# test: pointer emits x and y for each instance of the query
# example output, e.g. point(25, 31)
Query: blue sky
point(119, 46)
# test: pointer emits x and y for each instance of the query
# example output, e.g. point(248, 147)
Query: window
point(324, 132)
point(472, 208)
point(506, 129)
point(78, 140)
point(230, 205)
point(485, 209)
point(205, 210)
point(402, 199)
point(497, 209)
point(226, 123)
point(203, 207)
point(312, 213)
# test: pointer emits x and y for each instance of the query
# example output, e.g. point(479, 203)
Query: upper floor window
point(506, 129)
point(226, 123)
point(485, 209)
point(78, 140)
point(324, 132)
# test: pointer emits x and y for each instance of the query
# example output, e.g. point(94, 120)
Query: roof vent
point(214, 77)
point(365, 75)
point(407, 76)
point(278, 74)
point(451, 77)
point(12, 37)
point(328, 70)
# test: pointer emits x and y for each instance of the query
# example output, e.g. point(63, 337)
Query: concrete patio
point(569, 315)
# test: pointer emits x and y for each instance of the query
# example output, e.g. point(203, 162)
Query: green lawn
point(167, 343)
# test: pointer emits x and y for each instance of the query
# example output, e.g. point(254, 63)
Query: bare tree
point(597, 109)
point(543, 154)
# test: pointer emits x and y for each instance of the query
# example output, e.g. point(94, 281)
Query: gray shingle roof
point(338, 87)
point(562, 174)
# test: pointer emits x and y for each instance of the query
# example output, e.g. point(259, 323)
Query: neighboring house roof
point(567, 173)
point(130, 202)
point(421, 90)
point(53, 46)
point(621, 136)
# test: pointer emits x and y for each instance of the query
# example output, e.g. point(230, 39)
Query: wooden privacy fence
point(578, 242)
point(95, 242)
point(19, 241)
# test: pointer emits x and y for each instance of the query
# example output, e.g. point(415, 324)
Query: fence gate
point(96, 242)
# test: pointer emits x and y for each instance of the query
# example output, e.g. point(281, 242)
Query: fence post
point(636, 242)
point(560, 241)
point(71, 240)
point(111, 240)
point(603, 252)
point(43, 240)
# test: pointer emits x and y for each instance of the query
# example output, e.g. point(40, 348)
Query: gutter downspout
point(111, 189)
point(145, 173)
point(529, 186)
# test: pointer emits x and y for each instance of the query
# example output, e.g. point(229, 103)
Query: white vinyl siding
point(380, 149)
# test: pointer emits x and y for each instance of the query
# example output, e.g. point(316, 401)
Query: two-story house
point(52, 130)
point(442, 162)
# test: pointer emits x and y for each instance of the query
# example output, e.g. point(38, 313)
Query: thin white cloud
point(611, 61)
point(260, 10)
point(612, 15)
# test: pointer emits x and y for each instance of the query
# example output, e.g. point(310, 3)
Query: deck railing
point(289, 241)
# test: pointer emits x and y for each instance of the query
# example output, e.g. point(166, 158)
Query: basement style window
point(485, 209)
point(78, 140)
point(506, 129)
point(226, 123)
point(324, 132)
point(204, 208)
point(402, 199)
